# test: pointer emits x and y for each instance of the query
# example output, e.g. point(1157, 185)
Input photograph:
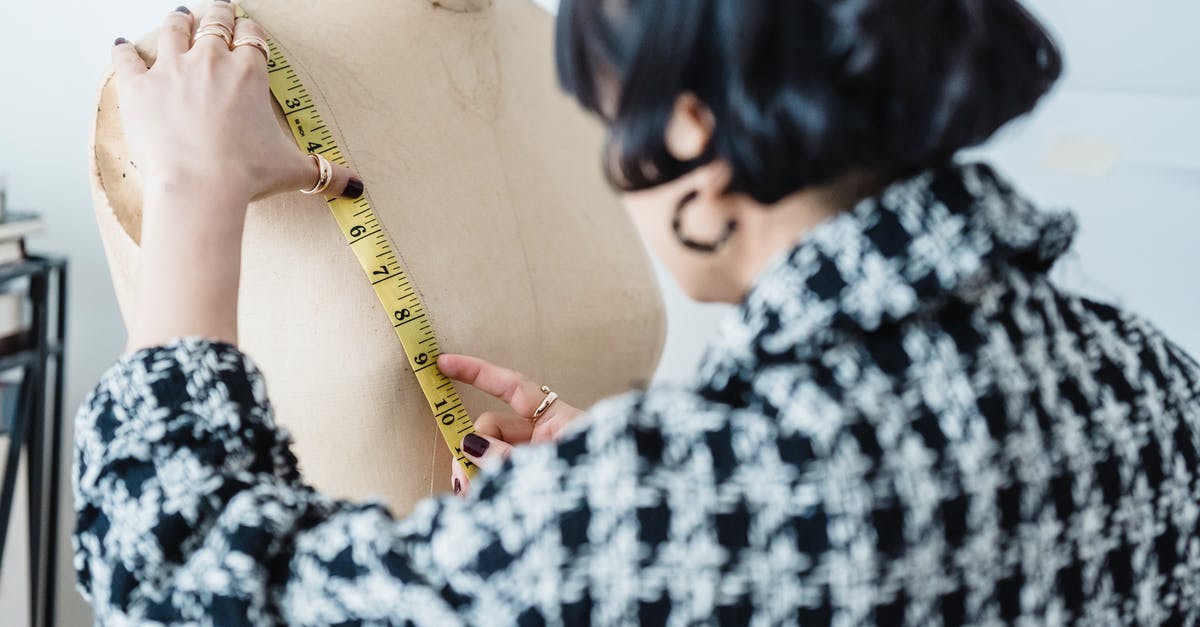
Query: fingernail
point(457, 486)
point(184, 10)
point(354, 188)
point(226, 1)
point(474, 445)
point(120, 40)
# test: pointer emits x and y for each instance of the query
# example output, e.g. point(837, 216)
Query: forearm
point(190, 264)
point(167, 445)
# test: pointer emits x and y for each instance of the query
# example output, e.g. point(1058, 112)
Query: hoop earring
point(691, 244)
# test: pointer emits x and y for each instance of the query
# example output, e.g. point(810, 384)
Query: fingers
point(345, 183)
point(521, 394)
point(222, 15)
point(485, 451)
point(459, 483)
point(503, 427)
point(507, 427)
point(126, 60)
point(247, 29)
point(307, 172)
point(175, 36)
point(549, 429)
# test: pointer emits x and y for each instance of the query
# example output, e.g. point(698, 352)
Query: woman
point(905, 422)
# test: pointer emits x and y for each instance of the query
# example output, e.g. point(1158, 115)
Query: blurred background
point(1116, 142)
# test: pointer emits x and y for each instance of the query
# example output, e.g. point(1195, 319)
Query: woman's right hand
point(202, 120)
point(502, 431)
point(201, 129)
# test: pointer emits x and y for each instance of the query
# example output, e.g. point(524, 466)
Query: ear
point(690, 128)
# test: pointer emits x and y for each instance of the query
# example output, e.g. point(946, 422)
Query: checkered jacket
point(905, 422)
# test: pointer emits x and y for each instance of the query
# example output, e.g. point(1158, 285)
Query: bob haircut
point(802, 91)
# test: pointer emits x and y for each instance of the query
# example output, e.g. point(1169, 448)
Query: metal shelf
point(36, 427)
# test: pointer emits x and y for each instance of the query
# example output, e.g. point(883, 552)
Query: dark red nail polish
point(457, 486)
point(354, 188)
point(184, 10)
point(474, 445)
point(120, 40)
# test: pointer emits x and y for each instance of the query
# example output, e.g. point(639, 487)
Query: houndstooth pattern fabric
point(905, 422)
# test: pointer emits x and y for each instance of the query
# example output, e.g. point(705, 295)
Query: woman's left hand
point(497, 433)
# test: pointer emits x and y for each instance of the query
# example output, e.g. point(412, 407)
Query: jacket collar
point(898, 254)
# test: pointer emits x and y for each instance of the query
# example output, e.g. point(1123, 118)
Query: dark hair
point(802, 91)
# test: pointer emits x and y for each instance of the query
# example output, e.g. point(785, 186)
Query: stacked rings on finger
point(323, 178)
point(545, 404)
point(215, 29)
point(255, 41)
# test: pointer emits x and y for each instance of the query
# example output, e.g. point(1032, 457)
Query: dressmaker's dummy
point(487, 179)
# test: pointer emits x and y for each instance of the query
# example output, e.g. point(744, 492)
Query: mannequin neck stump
point(461, 6)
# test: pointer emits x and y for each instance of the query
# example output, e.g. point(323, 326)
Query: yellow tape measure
point(377, 256)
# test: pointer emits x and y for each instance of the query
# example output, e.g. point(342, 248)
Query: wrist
point(191, 243)
point(183, 205)
point(181, 188)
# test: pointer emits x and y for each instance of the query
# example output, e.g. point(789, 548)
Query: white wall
point(1131, 96)
point(1132, 88)
point(52, 57)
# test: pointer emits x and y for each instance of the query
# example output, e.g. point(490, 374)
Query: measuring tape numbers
point(376, 254)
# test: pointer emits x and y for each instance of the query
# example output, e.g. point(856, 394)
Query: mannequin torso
point(487, 180)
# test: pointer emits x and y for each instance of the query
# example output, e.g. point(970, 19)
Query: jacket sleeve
point(190, 509)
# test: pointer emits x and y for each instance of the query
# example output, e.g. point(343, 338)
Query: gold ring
point(255, 41)
point(220, 25)
point(214, 32)
point(546, 403)
point(323, 178)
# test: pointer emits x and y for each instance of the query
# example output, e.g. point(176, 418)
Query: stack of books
point(14, 322)
point(13, 229)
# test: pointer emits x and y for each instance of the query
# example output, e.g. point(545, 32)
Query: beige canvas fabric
point(487, 179)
